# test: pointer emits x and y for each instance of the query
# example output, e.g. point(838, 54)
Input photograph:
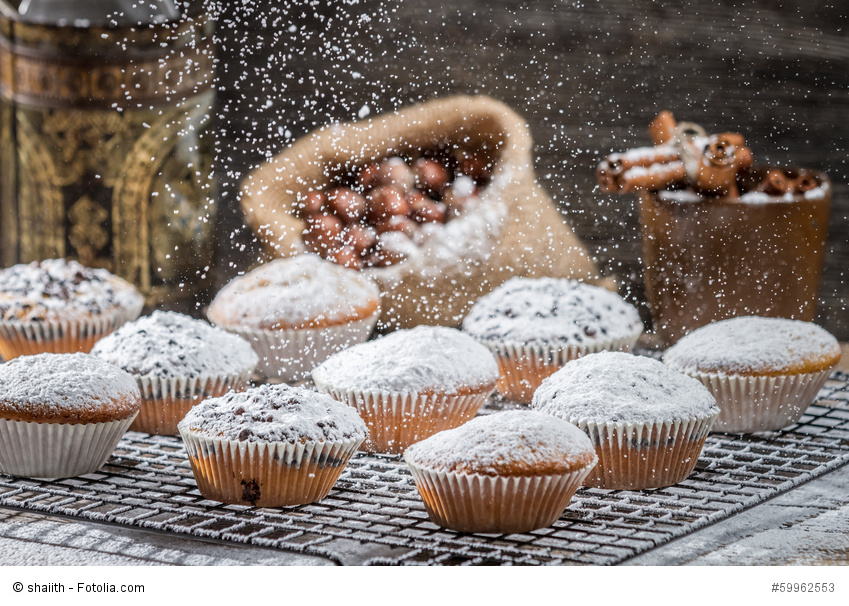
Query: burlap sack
point(514, 230)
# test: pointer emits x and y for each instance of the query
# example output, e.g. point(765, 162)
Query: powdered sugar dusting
point(64, 384)
point(490, 444)
point(622, 388)
point(528, 310)
point(754, 344)
point(293, 293)
point(46, 290)
point(425, 358)
point(168, 344)
point(275, 413)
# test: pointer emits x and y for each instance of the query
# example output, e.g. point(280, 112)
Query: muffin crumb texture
point(550, 310)
point(615, 387)
point(755, 345)
point(168, 344)
point(275, 413)
point(67, 388)
point(515, 443)
point(419, 360)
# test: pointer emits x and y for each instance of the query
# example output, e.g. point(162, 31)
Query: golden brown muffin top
point(299, 292)
point(515, 443)
point(751, 345)
point(66, 388)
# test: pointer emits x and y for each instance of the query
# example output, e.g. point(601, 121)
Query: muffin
point(647, 422)
point(501, 473)
point(177, 362)
point(61, 415)
point(763, 372)
point(270, 446)
point(410, 384)
point(60, 306)
point(535, 325)
point(297, 312)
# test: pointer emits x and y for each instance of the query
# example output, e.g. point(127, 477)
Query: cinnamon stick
point(805, 182)
point(662, 129)
point(717, 170)
point(775, 183)
point(656, 176)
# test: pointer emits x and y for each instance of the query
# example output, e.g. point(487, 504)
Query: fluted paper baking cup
point(494, 504)
point(27, 338)
point(750, 404)
point(291, 354)
point(57, 450)
point(265, 474)
point(165, 401)
point(523, 367)
point(397, 420)
point(637, 456)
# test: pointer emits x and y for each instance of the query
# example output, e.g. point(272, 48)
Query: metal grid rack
point(374, 514)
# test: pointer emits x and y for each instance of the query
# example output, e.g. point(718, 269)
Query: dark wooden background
point(588, 76)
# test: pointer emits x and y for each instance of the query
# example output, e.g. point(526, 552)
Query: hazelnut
point(310, 204)
point(415, 198)
point(395, 171)
point(359, 237)
point(385, 202)
point(427, 211)
point(322, 233)
point(347, 257)
point(383, 256)
point(367, 175)
point(474, 165)
point(346, 204)
point(399, 223)
point(431, 176)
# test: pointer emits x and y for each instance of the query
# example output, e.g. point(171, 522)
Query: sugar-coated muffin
point(296, 312)
point(764, 372)
point(535, 325)
point(178, 362)
point(647, 422)
point(411, 383)
point(501, 473)
point(60, 306)
point(61, 415)
point(270, 446)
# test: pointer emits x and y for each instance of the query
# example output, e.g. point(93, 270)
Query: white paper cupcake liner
point(494, 504)
point(750, 404)
point(291, 354)
point(524, 367)
point(397, 420)
point(637, 456)
point(266, 474)
point(166, 400)
point(20, 338)
point(57, 450)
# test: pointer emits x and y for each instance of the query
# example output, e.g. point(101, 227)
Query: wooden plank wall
point(588, 76)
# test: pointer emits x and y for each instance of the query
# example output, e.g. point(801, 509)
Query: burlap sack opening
point(515, 229)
